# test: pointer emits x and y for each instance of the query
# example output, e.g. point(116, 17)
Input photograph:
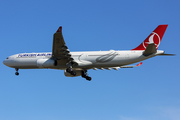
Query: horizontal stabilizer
point(150, 49)
point(167, 54)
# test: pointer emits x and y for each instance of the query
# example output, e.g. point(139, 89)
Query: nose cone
point(5, 62)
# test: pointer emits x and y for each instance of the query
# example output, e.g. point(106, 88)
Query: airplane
point(77, 63)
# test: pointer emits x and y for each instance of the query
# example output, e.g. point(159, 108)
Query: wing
point(132, 66)
point(59, 50)
point(116, 68)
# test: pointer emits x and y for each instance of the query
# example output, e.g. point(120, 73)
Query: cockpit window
point(7, 58)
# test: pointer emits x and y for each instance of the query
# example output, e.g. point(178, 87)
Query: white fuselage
point(88, 60)
point(77, 63)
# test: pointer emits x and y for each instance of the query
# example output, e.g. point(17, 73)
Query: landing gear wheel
point(16, 73)
point(73, 73)
point(69, 70)
point(85, 75)
point(88, 78)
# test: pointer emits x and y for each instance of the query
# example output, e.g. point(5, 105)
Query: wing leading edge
point(59, 50)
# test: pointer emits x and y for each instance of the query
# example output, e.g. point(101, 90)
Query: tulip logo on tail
point(153, 38)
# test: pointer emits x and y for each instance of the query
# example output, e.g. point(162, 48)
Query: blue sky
point(144, 93)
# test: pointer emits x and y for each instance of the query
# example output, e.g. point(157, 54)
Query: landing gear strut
point(69, 70)
point(85, 75)
point(17, 73)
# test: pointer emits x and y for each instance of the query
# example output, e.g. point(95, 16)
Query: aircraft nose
point(9, 61)
point(5, 62)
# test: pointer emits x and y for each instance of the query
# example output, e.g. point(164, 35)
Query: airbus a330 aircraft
point(77, 63)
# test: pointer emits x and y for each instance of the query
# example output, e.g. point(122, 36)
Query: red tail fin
point(155, 37)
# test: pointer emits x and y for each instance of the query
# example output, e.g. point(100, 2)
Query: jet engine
point(78, 73)
point(46, 63)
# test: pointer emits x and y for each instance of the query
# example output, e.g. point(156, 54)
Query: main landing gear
point(17, 73)
point(84, 75)
point(69, 70)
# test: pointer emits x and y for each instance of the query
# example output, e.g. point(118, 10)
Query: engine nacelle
point(78, 73)
point(46, 63)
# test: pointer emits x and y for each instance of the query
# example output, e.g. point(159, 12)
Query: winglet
point(139, 64)
point(167, 54)
point(132, 66)
point(59, 29)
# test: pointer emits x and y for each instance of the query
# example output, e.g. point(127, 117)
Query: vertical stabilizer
point(155, 37)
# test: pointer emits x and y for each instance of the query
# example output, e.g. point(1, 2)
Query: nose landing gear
point(17, 73)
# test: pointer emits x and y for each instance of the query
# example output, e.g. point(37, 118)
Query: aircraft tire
point(16, 73)
point(73, 73)
point(88, 78)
